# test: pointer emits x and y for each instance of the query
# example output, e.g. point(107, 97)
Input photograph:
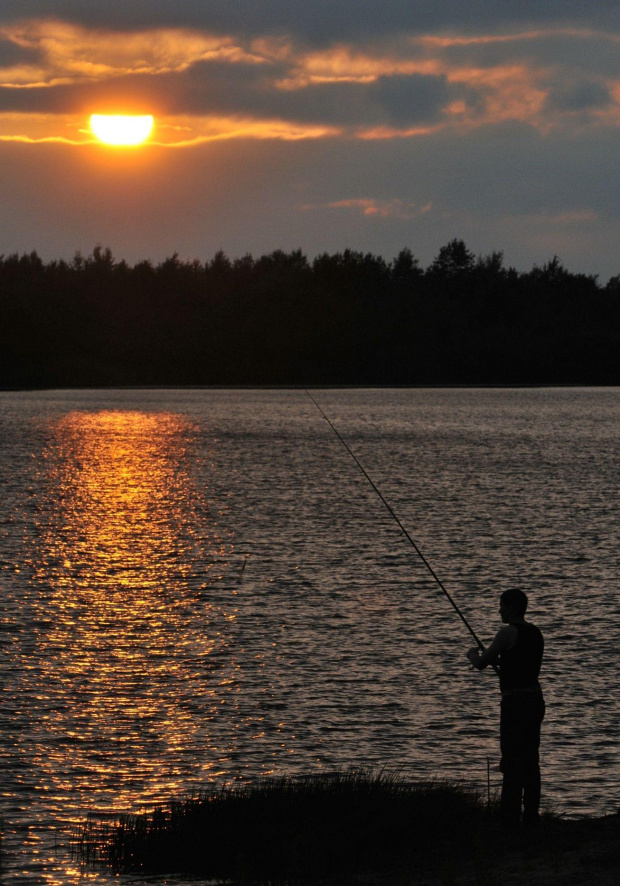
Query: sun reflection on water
point(118, 657)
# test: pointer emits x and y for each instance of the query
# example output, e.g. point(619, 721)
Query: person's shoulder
point(539, 632)
point(509, 630)
point(507, 636)
point(533, 627)
point(535, 630)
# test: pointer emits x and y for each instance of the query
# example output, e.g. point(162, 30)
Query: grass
point(287, 830)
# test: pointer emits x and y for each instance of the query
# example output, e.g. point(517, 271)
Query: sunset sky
point(320, 125)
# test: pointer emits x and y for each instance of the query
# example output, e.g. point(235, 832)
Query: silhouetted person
point(518, 650)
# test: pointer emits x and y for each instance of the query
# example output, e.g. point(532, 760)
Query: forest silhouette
point(348, 318)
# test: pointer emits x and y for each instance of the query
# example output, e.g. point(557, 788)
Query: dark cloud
point(595, 51)
point(583, 95)
point(129, 95)
point(392, 101)
point(221, 87)
point(317, 21)
point(12, 54)
point(411, 99)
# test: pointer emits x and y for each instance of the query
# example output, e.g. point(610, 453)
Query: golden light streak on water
point(117, 558)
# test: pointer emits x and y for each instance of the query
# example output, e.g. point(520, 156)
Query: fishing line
point(405, 532)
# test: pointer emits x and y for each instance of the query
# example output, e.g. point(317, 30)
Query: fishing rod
point(405, 532)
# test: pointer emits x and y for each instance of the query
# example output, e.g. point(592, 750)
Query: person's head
point(512, 604)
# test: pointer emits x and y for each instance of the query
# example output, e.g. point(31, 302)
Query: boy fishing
point(518, 650)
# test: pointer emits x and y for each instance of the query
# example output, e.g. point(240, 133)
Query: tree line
point(348, 318)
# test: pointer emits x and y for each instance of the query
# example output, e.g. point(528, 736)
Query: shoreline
point(560, 852)
point(355, 826)
point(456, 386)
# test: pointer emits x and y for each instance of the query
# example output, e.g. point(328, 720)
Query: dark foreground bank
point(354, 827)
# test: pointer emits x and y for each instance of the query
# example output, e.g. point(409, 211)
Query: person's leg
point(533, 718)
point(531, 795)
point(510, 801)
point(512, 785)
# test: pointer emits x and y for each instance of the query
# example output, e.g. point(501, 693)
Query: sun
point(121, 129)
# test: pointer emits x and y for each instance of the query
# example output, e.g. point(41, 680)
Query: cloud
point(580, 95)
point(71, 53)
point(12, 55)
point(396, 208)
point(400, 100)
point(319, 22)
point(406, 99)
point(181, 73)
point(402, 87)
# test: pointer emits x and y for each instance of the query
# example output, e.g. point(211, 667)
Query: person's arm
point(504, 639)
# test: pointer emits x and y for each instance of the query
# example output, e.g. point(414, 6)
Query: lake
point(200, 585)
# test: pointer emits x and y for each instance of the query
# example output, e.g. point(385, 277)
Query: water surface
point(200, 585)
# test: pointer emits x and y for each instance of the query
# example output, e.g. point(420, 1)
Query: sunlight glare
point(121, 129)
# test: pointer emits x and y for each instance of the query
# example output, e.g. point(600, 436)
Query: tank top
point(519, 667)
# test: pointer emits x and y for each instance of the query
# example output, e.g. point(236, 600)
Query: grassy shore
point(352, 827)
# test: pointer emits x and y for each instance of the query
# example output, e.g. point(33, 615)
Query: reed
point(287, 830)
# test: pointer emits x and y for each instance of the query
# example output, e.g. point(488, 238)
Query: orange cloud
point(40, 128)
point(171, 132)
point(344, 64)
point(369, 207)
point(184, 132)
point(69, 53)
point(445, 41)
